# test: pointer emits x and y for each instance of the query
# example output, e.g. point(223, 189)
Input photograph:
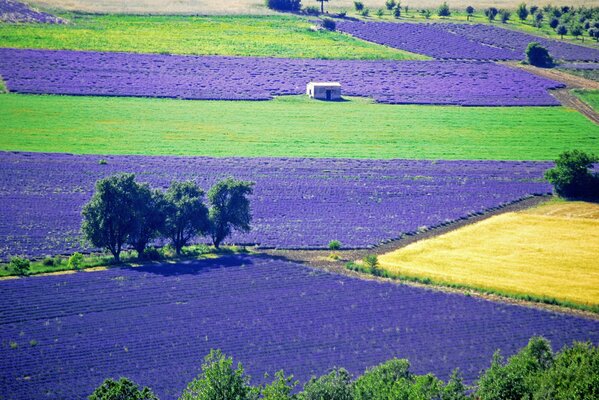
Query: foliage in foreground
point(572, 176)
point(535, 372)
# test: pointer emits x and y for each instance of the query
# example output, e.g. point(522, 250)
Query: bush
point(334, 245)
point(572, 178)
point(443, 10)
point(19, 265)
point(538, 55)
point(522, 11)
point(151, 253)
point(75, 261)
point(553, 23)
point(123, 389)
point(378, 383)
point(329, 24)
point(358, 5)
point(561, 30)
point(312, 10)
point(48, 261)
point(505, 15)
point(390, 4)
point(397, 12)
point(491, 13)
point(380, 12)
point(284, 5)
point(365, 12)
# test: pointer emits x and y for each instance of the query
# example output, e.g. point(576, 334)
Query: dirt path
point(565, 96)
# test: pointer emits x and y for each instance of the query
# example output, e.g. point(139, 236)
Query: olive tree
point(109, 217)
point(149, 218)
point(186, 216)
point(229, 208)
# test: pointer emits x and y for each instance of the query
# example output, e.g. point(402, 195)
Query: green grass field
point(256, 36)
point(591, 97)
point(289, 127)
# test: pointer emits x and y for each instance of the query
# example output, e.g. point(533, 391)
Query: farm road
point(564, 96)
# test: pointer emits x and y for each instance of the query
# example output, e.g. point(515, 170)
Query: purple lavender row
point(17, 12)
point(298, 203)
point(247, 78)
point(154, 324)
point(462, 41)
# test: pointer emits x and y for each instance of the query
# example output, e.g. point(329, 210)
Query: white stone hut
point(324, 90)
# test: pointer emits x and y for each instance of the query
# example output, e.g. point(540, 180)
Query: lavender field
point(462, 41)
point(18, 12)
point(298, 203)
point(247, 78)
point(63, 335)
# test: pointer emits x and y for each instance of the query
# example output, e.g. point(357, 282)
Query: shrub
point(336, 385)
point(561, 30)
point(48, 261)
point(358, 5)
point(505, 15)
point(538, 55)
point(539, 19)
point(426, 13)
point(397, 12)
point(334, 245)
point(491, 13)
point(390, 4)
point(329, 24)
point(572, 178)
point(311, 10)
point(365, 12)
point(19, 265)
point(102, 162)
point(284, 5)
point(378, 383)
point(151, 253)
point(553, 22)
point(380, 12)
point(522, 11)
point(219, 380)
point(443, 10)
point(122, 389)
point(75, 261)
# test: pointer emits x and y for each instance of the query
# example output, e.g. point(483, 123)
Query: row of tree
point(536, 372)
point(123, 212)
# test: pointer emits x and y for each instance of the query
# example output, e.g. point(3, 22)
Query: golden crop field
point(551, 251)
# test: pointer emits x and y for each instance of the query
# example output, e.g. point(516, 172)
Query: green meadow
point(256, 36)
point(289, 127)
point(591, 97)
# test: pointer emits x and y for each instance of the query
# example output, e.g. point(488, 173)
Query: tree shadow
point(194, 266)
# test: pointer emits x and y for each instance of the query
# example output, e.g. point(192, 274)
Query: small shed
point(324, 90)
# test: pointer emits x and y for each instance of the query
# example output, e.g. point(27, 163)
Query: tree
point(322, 5)
point(229, 208)
point(539, 19)
point(284, 5)
point(538, 55)
point(397, 12)
point(390, 4)
point(123, 389)
point(455, 388)
point(219, 381)
point(19, 265)
point(149, 218)
point(186, 216)
point(522, 12)
point(358, 5)
point(109, 217)
point(280, 388)
point(576, 30)
point(594, 33)
point(443, 10)
point(491, 13)
point(469, 11)
point(533, 10)
point(505, 16)
point(571, 177)
point(561, 30)
point(554, 22)
point(336, 385)
point(378, 383)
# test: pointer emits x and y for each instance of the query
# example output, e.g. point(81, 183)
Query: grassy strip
point(256, 36)
point(3, 88)
point(289, 127)
point(434, 282)
point(591, 97)
point(128, 258)
point(592, 74)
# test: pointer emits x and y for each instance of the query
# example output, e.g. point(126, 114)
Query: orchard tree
point(397, 12)
point(539, 19)
point(123, 389)
point(186, 216)
point(443, 10)
point(229, 208)
point(109, 217)
point(469, 11)
point(149, 218)
point(576, 31)
point(562, 30)
point(219, 381)
point(505, 16)
point(390, 4)
point(522, 12)
point(491, 13)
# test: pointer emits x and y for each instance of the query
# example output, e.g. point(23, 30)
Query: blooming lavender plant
point(297, 203)
point(246, 78)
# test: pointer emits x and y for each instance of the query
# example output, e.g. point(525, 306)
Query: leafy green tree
point(538, 55)
point(186, 216)
point(280, 388)
point(576, 31)
point(572, 177)
point(19, 265)
point(522, 11)
point(378, 383)
point(573, 374)
point(469, 11)
point(229, 208)
point(219, 381)
point(109, 217)
point(123, 389)
point(455, 388)
point(390, 4)
point(491, 13)
point(443, 10)
point(334, 245)
point(561, 30)
point(336, 385)
point(150, 207)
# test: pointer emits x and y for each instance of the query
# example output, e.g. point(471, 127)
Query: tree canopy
point(229, 208)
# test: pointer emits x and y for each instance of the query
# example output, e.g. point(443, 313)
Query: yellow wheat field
point(551, 251)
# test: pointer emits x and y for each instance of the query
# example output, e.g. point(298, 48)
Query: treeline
point(123, 212)
point(535, 372)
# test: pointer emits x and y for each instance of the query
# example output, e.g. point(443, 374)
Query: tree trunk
point(322, 6)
